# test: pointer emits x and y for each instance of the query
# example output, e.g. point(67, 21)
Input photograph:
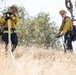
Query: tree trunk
point(69, 6)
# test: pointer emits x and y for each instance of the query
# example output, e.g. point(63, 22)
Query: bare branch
point(69, 6)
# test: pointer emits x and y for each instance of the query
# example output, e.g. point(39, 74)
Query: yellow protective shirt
point(13, 21)
point(66, 26)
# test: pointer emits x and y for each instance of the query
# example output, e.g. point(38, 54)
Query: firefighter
point(11, 14)
point(65, 29)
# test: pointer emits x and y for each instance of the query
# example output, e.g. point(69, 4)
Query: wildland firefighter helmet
point(61, 12)
point(14, 8)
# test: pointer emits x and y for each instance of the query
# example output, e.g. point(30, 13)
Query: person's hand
point(59, 35)
point(13, 17)
point(7, 18)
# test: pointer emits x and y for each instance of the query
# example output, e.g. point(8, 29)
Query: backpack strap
point(65, 18)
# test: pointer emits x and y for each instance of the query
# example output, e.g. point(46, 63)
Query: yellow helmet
point(62, 12)
point(14, 7)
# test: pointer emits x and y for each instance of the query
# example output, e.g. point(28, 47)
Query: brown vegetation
point(37, 61)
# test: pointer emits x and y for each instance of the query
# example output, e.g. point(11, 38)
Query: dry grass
point(37, 61)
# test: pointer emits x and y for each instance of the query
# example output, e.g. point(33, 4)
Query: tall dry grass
point(37, 61)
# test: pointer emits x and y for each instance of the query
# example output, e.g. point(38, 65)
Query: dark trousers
point(14, 38)
point(68, 41)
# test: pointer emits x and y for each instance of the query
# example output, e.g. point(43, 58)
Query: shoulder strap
point(66, 17)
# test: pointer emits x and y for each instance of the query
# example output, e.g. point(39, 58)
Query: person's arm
point(60, 30)
point(15, 19)
point(61, 27)
point(2, 20)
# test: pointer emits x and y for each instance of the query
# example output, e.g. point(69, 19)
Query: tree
point(39, 30)
point(69, 6)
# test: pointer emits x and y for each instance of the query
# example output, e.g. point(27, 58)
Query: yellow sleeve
point(61, 28)
point(2, 20)
point(15, 19)
point(67, 26)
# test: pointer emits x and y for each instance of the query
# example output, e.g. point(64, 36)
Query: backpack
point(73, 32)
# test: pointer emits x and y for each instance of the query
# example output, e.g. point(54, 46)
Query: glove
point(13, 17)
point(7, 18)
point(59, 35)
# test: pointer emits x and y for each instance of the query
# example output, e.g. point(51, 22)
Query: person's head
point(13, 9)
point(62, 13)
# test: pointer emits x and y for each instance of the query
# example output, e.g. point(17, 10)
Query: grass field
point(36, 61)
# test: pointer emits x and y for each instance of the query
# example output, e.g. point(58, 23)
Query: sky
point(33, 7)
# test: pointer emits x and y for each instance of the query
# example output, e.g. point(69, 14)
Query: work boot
point(71, 50)
point(6, 47)
point(13, 47)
